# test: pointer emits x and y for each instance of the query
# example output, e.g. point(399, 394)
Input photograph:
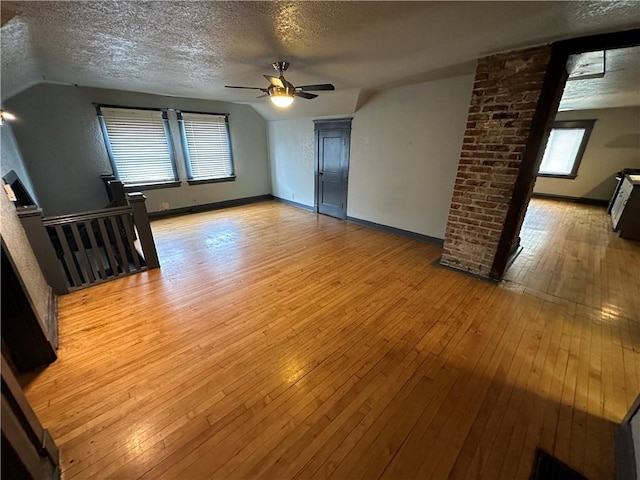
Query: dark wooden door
point(332, 166)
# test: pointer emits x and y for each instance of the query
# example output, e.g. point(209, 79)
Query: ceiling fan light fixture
point(281, 101)
point(282, 92)
point(281, 96)
point(6, 116)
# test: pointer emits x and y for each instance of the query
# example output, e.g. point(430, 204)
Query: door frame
point(550, 95)
point(324, 125)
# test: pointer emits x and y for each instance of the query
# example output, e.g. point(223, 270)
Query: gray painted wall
point(14, 235)
point(405, 146)
point(614, 144)
point(63, 149)
point(23, 258)
point(11, 158)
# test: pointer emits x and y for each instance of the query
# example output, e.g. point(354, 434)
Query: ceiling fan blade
point(246, 88)
point(306, 95)
point(262, 96)
point(275, 81)
point(317, 88)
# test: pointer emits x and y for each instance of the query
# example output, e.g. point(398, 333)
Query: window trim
point(170, 147)
point(203, 181)
point(141, 187)
point(187, 156)
point(587, 126)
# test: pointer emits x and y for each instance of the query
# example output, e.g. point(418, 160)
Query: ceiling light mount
point(6, 116)
point(280, 67)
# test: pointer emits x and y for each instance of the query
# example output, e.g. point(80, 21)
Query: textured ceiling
point(193, 49)
point(619, 87)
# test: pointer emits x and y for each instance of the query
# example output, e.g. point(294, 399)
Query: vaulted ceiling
point(193, 49)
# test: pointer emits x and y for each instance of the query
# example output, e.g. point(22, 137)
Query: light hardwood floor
point(275, 343)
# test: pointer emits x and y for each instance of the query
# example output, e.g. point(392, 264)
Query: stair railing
point(83, 249)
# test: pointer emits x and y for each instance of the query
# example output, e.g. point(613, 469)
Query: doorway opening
point(547, 109)
point(569, 246)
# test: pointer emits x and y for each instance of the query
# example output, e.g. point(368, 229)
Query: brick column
point(505, 96)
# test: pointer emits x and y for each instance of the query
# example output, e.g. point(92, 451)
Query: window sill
point(569, 176)
point(150, 186)
point(232, 178)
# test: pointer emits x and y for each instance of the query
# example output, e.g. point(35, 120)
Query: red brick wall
point(505, 95)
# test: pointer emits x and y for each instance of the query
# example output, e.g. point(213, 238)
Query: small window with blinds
point(207, 148)
point(565, 148)
point(139, 145)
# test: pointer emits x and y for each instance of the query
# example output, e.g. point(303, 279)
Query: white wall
point(614, 144)
point(291, 159)
point(405, 146)
point(63, 149)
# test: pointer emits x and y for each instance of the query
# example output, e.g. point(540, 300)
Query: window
point(138, 143)
point(565, 147)
point(206, 145)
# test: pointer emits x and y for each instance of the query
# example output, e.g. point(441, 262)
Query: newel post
point(31, 218)
point(141, 219)
point(117, 192)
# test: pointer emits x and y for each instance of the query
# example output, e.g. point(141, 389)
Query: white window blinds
point(207, 149)
point(138, 145)
point(562, 151)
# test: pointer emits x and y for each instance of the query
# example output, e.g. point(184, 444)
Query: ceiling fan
point(281, 92)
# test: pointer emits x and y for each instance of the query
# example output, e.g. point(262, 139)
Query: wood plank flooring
point(276, 344)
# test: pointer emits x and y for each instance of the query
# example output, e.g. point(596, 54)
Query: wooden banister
point(84, 216)
point(79, 250)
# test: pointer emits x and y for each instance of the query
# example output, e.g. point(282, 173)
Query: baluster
point(88, 225)
point(68, 257)
point(31, 218)
point(106, 241)
point(124, 261)
point(82, 253)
